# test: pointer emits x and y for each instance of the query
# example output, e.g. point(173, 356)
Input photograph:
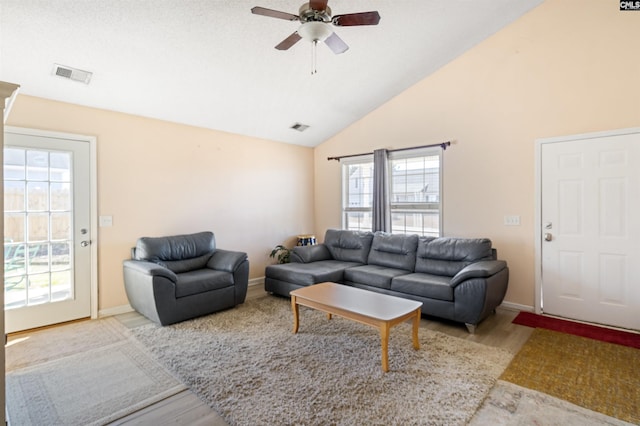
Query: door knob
point(548, 236)
point(84, 243)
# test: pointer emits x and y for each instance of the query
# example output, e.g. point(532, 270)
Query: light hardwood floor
point(186, 408)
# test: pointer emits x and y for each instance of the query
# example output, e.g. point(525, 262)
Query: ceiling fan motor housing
point(309, 15)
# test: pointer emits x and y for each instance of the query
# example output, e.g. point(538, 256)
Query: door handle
point(548, 236)
point(85, 243)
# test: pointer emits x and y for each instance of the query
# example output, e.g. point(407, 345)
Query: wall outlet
point(512, 220)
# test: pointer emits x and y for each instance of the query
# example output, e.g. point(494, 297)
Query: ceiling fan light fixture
point(314, 31)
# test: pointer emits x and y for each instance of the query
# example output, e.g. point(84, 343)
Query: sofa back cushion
point(180, 253)
point(396, 251)
point(348, 246)
point(448, 256)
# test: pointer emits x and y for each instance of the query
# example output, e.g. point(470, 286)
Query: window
point(357, 193)
point(414, 192)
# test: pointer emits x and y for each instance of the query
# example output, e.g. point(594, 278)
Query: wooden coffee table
point(367, 307)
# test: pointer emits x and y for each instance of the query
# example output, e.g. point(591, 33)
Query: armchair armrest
point(308, 254)
point(226, 260)
point(149, 268)
point(482, 269)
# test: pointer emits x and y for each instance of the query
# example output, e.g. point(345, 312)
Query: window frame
point(398, 208)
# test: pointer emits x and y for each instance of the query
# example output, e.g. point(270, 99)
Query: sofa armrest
point(482, 269)
point(226, 260)
point(308, 254)
point(150, 269)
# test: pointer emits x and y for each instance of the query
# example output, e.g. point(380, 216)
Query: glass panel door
point(46, 214)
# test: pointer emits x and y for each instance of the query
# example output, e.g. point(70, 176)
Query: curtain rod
point(442, 145)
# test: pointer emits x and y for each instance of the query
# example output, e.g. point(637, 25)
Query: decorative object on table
point(307, 240)
point(280, 253)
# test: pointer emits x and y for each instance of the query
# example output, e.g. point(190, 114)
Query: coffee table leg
point(384, 337)
point(416, 325)
point(294, 308)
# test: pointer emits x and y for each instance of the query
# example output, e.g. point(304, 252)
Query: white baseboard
point(117, 310)
point(256, 281)
point(517, 307)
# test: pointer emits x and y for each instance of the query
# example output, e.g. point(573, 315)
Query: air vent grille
point(72, 73)
point(300, 127)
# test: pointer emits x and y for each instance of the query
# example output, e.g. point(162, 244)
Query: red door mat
point(585, 330)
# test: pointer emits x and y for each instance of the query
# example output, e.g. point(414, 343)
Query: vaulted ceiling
point(212, 63)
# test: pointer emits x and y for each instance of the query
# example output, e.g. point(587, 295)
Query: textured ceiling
point(212, 64)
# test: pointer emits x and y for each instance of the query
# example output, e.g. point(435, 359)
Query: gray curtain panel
point(381, 216)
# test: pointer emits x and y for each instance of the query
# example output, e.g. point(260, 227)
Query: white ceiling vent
point(72, 73)
point(300, 127)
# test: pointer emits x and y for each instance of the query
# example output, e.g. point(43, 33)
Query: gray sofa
point(171, 279)
point(458, 279)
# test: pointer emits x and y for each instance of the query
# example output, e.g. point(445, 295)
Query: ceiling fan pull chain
point(314, 54)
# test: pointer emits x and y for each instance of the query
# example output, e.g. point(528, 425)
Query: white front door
point(47, 230)
point(590, 227)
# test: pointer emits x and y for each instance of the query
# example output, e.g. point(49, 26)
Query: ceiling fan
point(315, 17)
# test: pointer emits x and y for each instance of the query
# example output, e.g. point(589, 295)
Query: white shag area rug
point(89, 387)
point(248, 365)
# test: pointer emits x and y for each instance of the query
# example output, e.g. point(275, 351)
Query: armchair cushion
point(196, 282)
point(177, 247)
point(185, 265)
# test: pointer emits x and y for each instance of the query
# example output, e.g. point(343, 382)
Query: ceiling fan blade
point(336, 44)
point(362, 18)
point(289, 41)
point(318, 4)
point(274, 13)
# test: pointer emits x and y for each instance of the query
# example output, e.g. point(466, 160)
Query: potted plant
point(281, 253)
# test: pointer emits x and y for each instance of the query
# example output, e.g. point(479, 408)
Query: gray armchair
point(172, 279)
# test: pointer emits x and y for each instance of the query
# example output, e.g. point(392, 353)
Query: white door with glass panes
point(47, 235)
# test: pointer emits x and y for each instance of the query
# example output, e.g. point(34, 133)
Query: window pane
point(60, 167)
point(38, 227)
point(14, 196)
point(37, 196)
point(14, 226)
point(60, 226)
point(61, 196)
point(14, 164)
point(37, 165)
point(358, 221)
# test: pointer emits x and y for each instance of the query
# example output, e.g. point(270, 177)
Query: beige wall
point(158, 178)
point(567, 67)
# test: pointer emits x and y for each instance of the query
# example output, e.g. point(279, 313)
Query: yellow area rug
point(599, 376)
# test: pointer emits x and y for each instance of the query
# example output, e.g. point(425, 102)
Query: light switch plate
point(512, 220)
point(106, 221)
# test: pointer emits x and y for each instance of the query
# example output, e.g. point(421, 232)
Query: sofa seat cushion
point(309, 273)
point(373, 275)
point(425, 285)
point(202, 280)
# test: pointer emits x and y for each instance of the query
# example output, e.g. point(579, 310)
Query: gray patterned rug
point(92, 387)
point(248, 366)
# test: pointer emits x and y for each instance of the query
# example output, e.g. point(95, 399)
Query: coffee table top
point(364, 302)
